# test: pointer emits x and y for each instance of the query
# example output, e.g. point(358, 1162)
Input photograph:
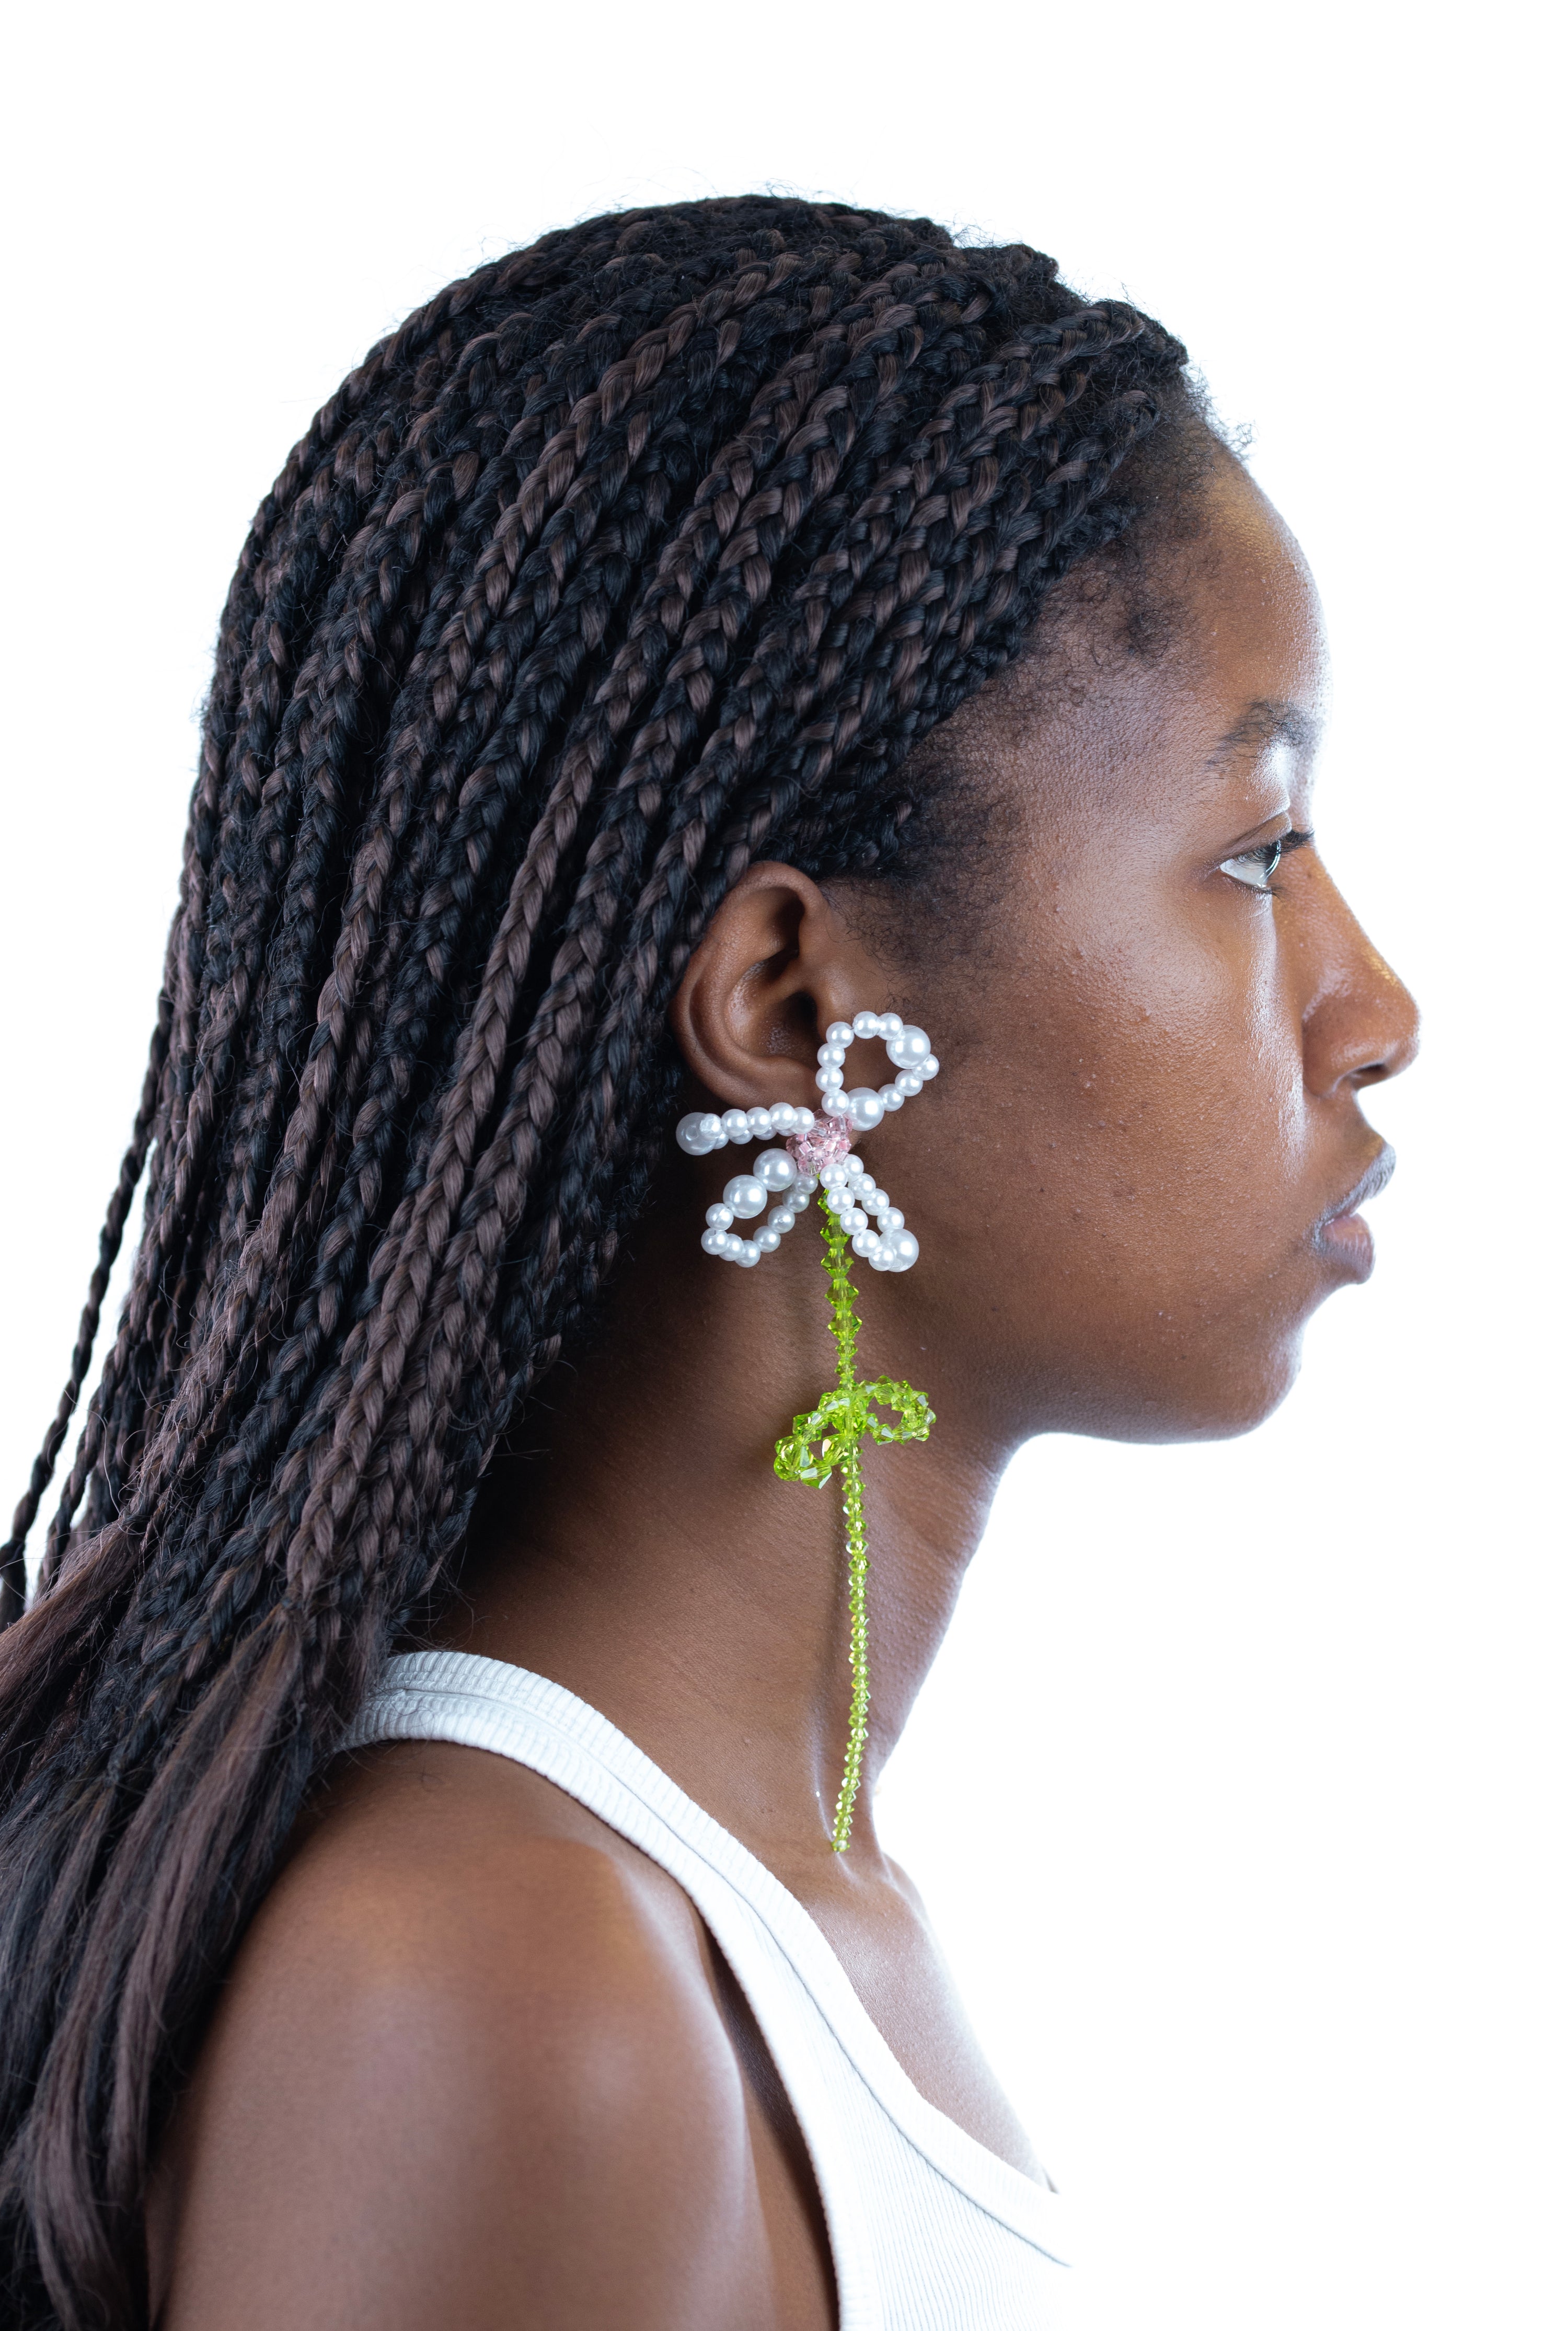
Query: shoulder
point(469, 2050)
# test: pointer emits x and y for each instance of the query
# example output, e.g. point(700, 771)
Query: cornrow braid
point(636, 556)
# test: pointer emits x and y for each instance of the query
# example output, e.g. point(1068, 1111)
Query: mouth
point(1340, 1234)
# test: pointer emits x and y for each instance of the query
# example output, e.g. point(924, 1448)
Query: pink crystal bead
point(829, 1138)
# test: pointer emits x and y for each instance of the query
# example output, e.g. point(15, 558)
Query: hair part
point(636, 556)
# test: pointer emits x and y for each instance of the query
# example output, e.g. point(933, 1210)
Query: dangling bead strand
point(846, 1328)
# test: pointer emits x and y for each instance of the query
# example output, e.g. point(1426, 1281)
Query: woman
point(706, 627)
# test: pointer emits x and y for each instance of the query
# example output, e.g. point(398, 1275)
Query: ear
point(778, 966)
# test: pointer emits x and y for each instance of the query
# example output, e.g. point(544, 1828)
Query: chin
point(1244, 1397)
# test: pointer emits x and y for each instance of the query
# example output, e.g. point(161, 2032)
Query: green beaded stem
point(828, 1440)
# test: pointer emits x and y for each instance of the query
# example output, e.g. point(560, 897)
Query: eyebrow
point(1266, 721)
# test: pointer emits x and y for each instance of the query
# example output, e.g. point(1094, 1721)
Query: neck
point(640, 1550)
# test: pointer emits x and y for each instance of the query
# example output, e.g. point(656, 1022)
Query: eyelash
point(1270, 851)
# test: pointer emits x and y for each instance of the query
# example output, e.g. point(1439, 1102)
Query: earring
point(817, 1157)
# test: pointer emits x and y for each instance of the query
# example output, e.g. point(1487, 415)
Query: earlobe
point(776, 965)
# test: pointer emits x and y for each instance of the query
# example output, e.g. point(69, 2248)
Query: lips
point(1340, 1234)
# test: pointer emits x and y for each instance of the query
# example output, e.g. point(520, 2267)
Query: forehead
point(1240, 673)
point(1248, 618)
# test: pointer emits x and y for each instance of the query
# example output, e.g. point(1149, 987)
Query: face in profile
point(1156, 1035)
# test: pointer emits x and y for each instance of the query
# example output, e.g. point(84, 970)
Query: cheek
point(1139, 1111)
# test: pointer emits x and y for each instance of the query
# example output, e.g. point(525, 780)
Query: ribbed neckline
point(988, 2181)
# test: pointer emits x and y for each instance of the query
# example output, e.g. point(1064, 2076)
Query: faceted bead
point(823, 1145)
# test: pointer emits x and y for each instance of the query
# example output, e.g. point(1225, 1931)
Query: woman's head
point(685, 544)
point(1155, 1014)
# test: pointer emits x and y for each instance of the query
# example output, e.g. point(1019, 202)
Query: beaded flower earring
point(817, 1157)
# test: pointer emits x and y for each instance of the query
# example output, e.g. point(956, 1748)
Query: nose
point(1362, 1025)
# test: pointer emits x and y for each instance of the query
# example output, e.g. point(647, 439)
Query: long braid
point(634, 557)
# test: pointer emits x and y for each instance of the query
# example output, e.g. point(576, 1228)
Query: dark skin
point(479, 2062)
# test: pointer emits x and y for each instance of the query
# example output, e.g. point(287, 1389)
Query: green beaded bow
point(828, 1440)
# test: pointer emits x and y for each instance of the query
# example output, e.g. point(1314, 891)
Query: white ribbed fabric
point(929, 2231)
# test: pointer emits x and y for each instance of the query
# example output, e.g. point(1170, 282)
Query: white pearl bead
point(766, 1242)
point(890, 1218)
point(750, 1254)
point(857, 1218)
point(909, 1048)
point(714, 1242)
point(692, 1136)
point(804, 1120)
point(863, 1243)
point(736, 1123)
point(781, 1219)
point(905, 1249)
point(929, 1067)
point(800, 1197)
point(733, 1242)
point(865, 1109)
point(866, 1023)
point(839, 1033)
point(908, 1082)
point(829, 1079)
point(719, 1218)
point(745, 1195)
point(781, 1117)
point(834, 1103)
point(879, 1201)
point(775, 1168)
point(760, 1122)
point(853, 1164)
point(831, 1056)
point(891, 1099)
point(888, 1024)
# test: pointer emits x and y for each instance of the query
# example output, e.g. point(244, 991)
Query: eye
point(1256, 868)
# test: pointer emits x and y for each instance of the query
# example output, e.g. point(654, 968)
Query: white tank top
point(929, 2231)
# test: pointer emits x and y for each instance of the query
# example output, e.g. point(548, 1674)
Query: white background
point(1277, 1976)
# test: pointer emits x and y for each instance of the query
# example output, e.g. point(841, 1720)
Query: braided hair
point(637, 554)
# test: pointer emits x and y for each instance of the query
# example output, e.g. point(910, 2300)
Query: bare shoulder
point(468, 2068)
